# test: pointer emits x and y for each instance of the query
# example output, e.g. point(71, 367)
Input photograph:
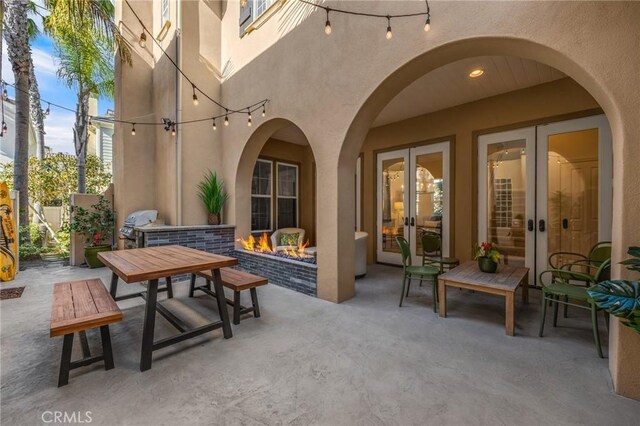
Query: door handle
point(530, 225)
point(406, 221)
point(541, 225)
point(565, 223)
point(413, 222)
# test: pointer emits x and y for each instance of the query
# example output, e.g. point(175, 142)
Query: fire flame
point(262, 246)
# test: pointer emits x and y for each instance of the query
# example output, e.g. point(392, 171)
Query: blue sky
point(59, 124)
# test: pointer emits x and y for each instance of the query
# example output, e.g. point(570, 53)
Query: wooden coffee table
point(503, 282)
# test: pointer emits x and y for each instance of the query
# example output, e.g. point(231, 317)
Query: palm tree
point(19, 52)
point(85, 37)
point(37, 115)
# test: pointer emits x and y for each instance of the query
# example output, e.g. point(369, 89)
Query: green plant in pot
point(488, 256)
point(211, 192)
point(621, 298)
point(96, 227)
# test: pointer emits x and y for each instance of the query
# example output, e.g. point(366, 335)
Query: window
point(287, 204)
point(281, 187)
point(261, 192)
point(503, 209)
point(252, 13)
point(164, 11)
point(260, 6)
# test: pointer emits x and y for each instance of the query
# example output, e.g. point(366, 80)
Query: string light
point(133, 129)
point(173, 129)
point(143, 40)
point(327, 25)
point(195, 97)
point(389, 33)
point(5, 95)
point(249, 118)
point(226, 118)
point(48, 110)
point(264, 110)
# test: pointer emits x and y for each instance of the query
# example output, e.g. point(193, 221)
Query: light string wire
point(388, 17)
point(228, 111)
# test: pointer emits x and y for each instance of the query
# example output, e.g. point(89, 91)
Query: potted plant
point(488, 257)
point(621, 298)
point(96, 226)
point(211, 192)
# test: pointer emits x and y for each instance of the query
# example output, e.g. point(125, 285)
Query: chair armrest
point(564, 253)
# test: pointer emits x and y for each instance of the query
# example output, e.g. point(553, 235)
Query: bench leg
point(149, 325)
point(86, 352)
point(254, 302)
point(65, 362)
point(192, 285)
point(169, 288)
point(114, 285)
point(107, 353)
point(236, 307)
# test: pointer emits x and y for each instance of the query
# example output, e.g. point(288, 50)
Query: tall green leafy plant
point(212, 194)
point(621, 298)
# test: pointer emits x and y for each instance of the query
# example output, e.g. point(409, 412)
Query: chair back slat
point(404, 250)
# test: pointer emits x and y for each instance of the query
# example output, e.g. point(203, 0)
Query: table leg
point(442, 298)
point(525, 290)
point(114, 285)
point(509, 321)
point(169, 288)
point(149, 325)
point(222, 303)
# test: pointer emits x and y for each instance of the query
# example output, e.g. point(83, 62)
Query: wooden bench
point(236, 281)
point(79, 306)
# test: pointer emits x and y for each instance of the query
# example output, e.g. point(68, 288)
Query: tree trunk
point(37, 116)
point(81, 136)
point(19, 52)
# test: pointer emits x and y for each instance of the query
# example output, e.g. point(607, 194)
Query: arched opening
point(433, 100)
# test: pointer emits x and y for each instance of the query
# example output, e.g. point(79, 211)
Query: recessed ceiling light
point(476, 73)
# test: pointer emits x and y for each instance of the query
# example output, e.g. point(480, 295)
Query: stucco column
point(335, 230)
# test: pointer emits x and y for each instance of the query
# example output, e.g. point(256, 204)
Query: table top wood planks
point(504, 282)
point(150, 263)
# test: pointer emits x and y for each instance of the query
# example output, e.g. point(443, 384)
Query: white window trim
point(260, 20)
point(270, 196)
point(288, 197)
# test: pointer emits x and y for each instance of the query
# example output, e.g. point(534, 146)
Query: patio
point(364, 361)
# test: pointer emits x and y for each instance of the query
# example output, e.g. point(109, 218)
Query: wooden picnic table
point(503, 282)
point(152, 263)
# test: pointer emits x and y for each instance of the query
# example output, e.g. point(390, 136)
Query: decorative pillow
point(432, 223)
point(289, 239)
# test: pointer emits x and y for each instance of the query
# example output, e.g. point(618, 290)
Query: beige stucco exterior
point(333, 87)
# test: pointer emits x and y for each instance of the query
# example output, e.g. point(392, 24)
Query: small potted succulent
point(211, 192)
point(488, 257)
point(96, 226)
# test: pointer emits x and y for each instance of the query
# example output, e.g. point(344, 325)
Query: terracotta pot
point(213, 219)
point(91, 255)
point(487, 265)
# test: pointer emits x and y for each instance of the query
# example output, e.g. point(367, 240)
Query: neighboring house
point(8, 139)
point(101, 134)
point(507, 122)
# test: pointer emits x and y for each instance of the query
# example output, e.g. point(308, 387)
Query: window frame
point(269, 196)
point(277, 195)
point(164, 18)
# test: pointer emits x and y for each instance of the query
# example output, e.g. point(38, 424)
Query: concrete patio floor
point(307, 361)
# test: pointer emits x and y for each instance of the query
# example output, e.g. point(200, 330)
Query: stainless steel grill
point(138, 218)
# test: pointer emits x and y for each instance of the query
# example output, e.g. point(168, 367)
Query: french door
point(545, 189)
point(412, 197)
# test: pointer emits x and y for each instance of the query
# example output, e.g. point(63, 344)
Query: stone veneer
point(220, 239)
point(299, 276)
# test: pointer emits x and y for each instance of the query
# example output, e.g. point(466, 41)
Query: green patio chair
point(561, 291)
point(599, 253)
point(411, 272)
point(432, 253)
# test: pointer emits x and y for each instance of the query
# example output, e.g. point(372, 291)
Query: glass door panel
point(392, 200)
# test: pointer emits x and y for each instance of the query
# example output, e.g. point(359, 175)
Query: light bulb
point(327, 27)
point(214, 124)
point(264, 111)
point(5, 95)
point(389, 33)
point(249, 119)
point(143, 40)
point(133, 129)
point(173, 130)
point(195, 100)
point(226, 120)
point(427, 25)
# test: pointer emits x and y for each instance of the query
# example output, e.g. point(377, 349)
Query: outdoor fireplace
point(299, 253)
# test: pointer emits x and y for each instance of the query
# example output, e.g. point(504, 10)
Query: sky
point(59, 124)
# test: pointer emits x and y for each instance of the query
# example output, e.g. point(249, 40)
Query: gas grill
point(138, 218)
